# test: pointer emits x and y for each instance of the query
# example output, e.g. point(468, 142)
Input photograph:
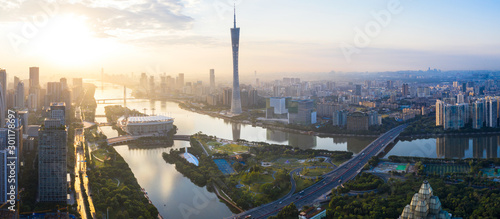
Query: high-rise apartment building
point(491, 112)
point(52, 182)
point(477, 114)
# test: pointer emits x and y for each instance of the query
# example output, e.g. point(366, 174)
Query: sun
point(67, 41)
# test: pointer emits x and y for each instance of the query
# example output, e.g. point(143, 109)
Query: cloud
point(108, 18)
point(169, 40)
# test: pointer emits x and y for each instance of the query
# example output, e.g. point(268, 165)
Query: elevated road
point(317, 192)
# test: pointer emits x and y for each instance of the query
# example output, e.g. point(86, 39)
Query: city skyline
point(157, 37)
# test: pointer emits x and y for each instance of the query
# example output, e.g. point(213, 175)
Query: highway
point(317, 192)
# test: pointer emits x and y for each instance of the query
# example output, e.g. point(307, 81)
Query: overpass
point(127, 138)
point(318, 191)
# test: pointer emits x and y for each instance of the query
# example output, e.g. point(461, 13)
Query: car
point(281, 202)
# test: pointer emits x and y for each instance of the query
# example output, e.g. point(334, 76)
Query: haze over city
point(243, 109)
point(81, 37)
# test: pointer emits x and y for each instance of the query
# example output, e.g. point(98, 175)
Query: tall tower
point(235, 41)
point(212, 78)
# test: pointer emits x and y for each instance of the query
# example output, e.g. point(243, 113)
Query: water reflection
point(449, 147)
point(277, 136)
point(302, 141)
point(236, 131)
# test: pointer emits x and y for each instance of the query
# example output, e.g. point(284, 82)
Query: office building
point(34, 77)
point(53, 93)
point(302, 112)
point(358, 90)
point(3, 165)
point(3, 107)
point(276, 108)
point(3, 96)
point(405, 90)
point(226, 96)
point(20, 95)
point(212, 78)
point(235, 42)
point(57, 111)
point(180, 81)
point(52, 181)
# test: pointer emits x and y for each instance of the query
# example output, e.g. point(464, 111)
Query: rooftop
point(146, 119)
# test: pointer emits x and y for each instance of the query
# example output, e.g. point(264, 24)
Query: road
point(332, 179)
point(79, 197)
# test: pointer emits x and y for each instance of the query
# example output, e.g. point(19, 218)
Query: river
point(176, 197)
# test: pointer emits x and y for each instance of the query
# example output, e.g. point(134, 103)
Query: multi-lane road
point(332, 179)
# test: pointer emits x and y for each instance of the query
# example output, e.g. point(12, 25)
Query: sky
point(74, 38)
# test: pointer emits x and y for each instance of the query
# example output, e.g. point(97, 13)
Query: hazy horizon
point(278, 37)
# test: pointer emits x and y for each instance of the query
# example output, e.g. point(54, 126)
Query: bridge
point(318, 191)
point(127, 138)
point(100, 101)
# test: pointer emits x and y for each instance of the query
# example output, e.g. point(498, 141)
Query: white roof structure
point(149, 119)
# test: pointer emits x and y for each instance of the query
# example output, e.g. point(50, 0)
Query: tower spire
point(234, 15)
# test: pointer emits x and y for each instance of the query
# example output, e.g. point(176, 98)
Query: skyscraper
point(491, 112)
point(477, 114)
point(235, 41)
point(180, 81)
point(405, 90)
point(52, 149)
point(3, 101)
point(3, 165)
point(439, 112)
point(34, 77)
point(212, 79)
point(20, 95)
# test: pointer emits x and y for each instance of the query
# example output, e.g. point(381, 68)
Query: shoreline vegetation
point(115, 187)
point(124, 199)
point(251, 184)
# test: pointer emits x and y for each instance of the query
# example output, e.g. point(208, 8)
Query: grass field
point(231, 148)
point(302, 183)
point(315, 171)
point(264, 178)
point(443, 169)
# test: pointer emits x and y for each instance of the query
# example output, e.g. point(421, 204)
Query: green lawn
point(315, 171)
point(231, 148)
point(302, 183)
point(443, 169)
point(264, 178)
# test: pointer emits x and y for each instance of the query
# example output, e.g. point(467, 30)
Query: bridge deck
point(126, 138)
